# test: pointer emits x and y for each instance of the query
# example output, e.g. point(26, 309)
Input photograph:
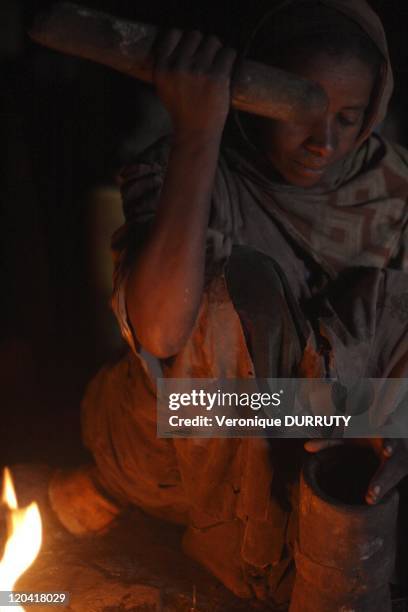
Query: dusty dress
point(299, 282)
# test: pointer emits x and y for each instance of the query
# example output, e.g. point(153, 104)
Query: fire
point(23, 540)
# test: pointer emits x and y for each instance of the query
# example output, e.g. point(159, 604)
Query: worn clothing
point(299, 282)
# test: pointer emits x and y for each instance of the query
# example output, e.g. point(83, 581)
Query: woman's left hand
point(393, 454)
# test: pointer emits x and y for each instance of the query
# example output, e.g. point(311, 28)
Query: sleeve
point(140, 185)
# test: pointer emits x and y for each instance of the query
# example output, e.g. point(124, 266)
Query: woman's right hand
point(192, 75)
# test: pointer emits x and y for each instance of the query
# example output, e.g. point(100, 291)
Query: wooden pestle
point(126, 46)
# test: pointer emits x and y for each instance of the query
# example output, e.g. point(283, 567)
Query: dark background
point(66, 127)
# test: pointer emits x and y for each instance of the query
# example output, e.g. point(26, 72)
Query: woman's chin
point(298, 175)
point(304, 180)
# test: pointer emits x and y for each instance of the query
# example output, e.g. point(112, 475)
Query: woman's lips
point(306, 169)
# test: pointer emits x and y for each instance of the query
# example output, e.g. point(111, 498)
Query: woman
point(270, 254)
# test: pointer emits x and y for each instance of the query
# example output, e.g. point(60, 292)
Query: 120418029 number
point(16, 598)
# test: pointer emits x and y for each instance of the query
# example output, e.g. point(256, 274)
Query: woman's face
point(303, 154)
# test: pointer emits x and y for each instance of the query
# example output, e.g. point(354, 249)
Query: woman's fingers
point(177, 50)
point(224, 62)
point(314, 446)
point(184, 55)
point(389, 447)
point(192, 78)
point(391, 472)
point(206, 53)
point(164, 47)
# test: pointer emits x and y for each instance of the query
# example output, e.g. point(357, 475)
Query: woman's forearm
point(165, 285)
point(192, 75)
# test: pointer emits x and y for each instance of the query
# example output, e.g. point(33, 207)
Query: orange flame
point(23, 541)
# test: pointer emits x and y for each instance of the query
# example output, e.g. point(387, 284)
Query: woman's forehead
point(326, 25)
point(347, 79)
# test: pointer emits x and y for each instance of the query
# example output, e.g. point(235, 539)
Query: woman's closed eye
point(350, 118)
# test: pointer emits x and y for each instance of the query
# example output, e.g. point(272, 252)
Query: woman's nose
point(322, 140)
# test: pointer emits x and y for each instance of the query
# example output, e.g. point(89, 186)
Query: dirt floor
point(137, 567)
